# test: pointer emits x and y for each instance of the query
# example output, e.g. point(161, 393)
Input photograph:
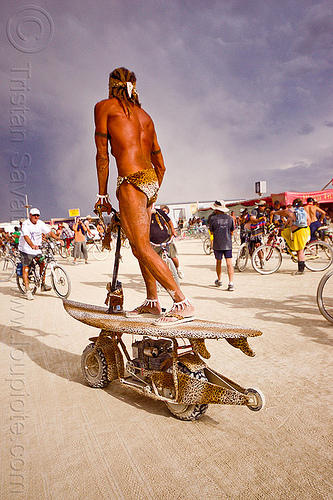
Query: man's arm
point(30, 243)
point(157, 160)
point(102, 157)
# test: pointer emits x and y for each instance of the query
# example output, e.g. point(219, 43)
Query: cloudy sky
point(239, 90)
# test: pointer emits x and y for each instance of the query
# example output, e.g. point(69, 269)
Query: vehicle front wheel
point(60, 282)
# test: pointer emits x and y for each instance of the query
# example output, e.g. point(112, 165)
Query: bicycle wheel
point(207, 245)
point(60, 282)
point(318, 256)
point(325, 296)
point(33, 283)
point(99, 252)
point(7, 269)
point(173, 270)
point(242, 257)
point(236, 237)
point(266, 259)
point(64, 252)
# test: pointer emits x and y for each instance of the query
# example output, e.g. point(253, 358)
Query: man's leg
point(135, 220)
point(230, 271)
point(218, 267)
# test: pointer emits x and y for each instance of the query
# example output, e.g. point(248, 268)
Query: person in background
point(221, 225)
point(172, 247)
point(80, 246)
point(29, 247)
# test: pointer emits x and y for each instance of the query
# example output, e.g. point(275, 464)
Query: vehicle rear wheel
point(181, 410)
point(266, 259)
point(94, 366)
point(33, 284)
point(242, 257)
point(318, 256)
point(256, 399)
point(7, 269)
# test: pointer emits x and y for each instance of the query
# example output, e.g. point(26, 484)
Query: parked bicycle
point(59, 278)
point(245, 252)
point(325, 295)
point(267, 259)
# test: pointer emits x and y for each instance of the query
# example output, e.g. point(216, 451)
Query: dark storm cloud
point(237, 90)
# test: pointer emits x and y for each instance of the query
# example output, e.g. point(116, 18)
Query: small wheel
point(266, 259)
point(33, 283)
point(207, 245)
point(256, 399)
point(181, 410)
point(318, 256)
point(60, 282)
point(100, 252)
point(242, 257)
point(325, 296)
point(7, 269)
point(94, 366)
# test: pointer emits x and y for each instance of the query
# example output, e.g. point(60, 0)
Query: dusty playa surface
point(61, 439)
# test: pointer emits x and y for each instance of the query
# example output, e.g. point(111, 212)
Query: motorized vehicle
point(166, 365)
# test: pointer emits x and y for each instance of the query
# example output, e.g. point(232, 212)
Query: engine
point(150, 353)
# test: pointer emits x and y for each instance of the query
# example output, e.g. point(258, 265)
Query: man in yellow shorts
point(297, 231)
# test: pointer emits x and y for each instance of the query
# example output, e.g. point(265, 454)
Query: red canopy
point(288, 197)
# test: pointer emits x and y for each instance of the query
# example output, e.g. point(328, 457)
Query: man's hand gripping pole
point(115, 296)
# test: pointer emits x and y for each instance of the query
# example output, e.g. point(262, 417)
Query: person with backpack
point(297, 231)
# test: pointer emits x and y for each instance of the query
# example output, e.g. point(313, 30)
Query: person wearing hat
point(29, 246)
point(221, 225)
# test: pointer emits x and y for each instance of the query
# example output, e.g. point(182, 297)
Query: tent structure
point(323, 197)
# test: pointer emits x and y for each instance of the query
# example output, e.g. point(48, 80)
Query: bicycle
point(267, 259)
point(325, 296)
point(245, 251)
point(8, 263)
point(207, 245)
point(165, 256)
point(59, 278)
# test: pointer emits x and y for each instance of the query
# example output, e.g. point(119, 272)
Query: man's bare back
point(312, 210)
point(141, 170)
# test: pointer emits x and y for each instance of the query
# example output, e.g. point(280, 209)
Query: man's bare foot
point(181, 312)
point(148, 308)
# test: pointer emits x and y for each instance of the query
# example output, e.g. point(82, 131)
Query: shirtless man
point(312, 210)
point(141, 169)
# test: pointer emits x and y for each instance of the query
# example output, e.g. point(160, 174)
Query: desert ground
point(61, 439)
